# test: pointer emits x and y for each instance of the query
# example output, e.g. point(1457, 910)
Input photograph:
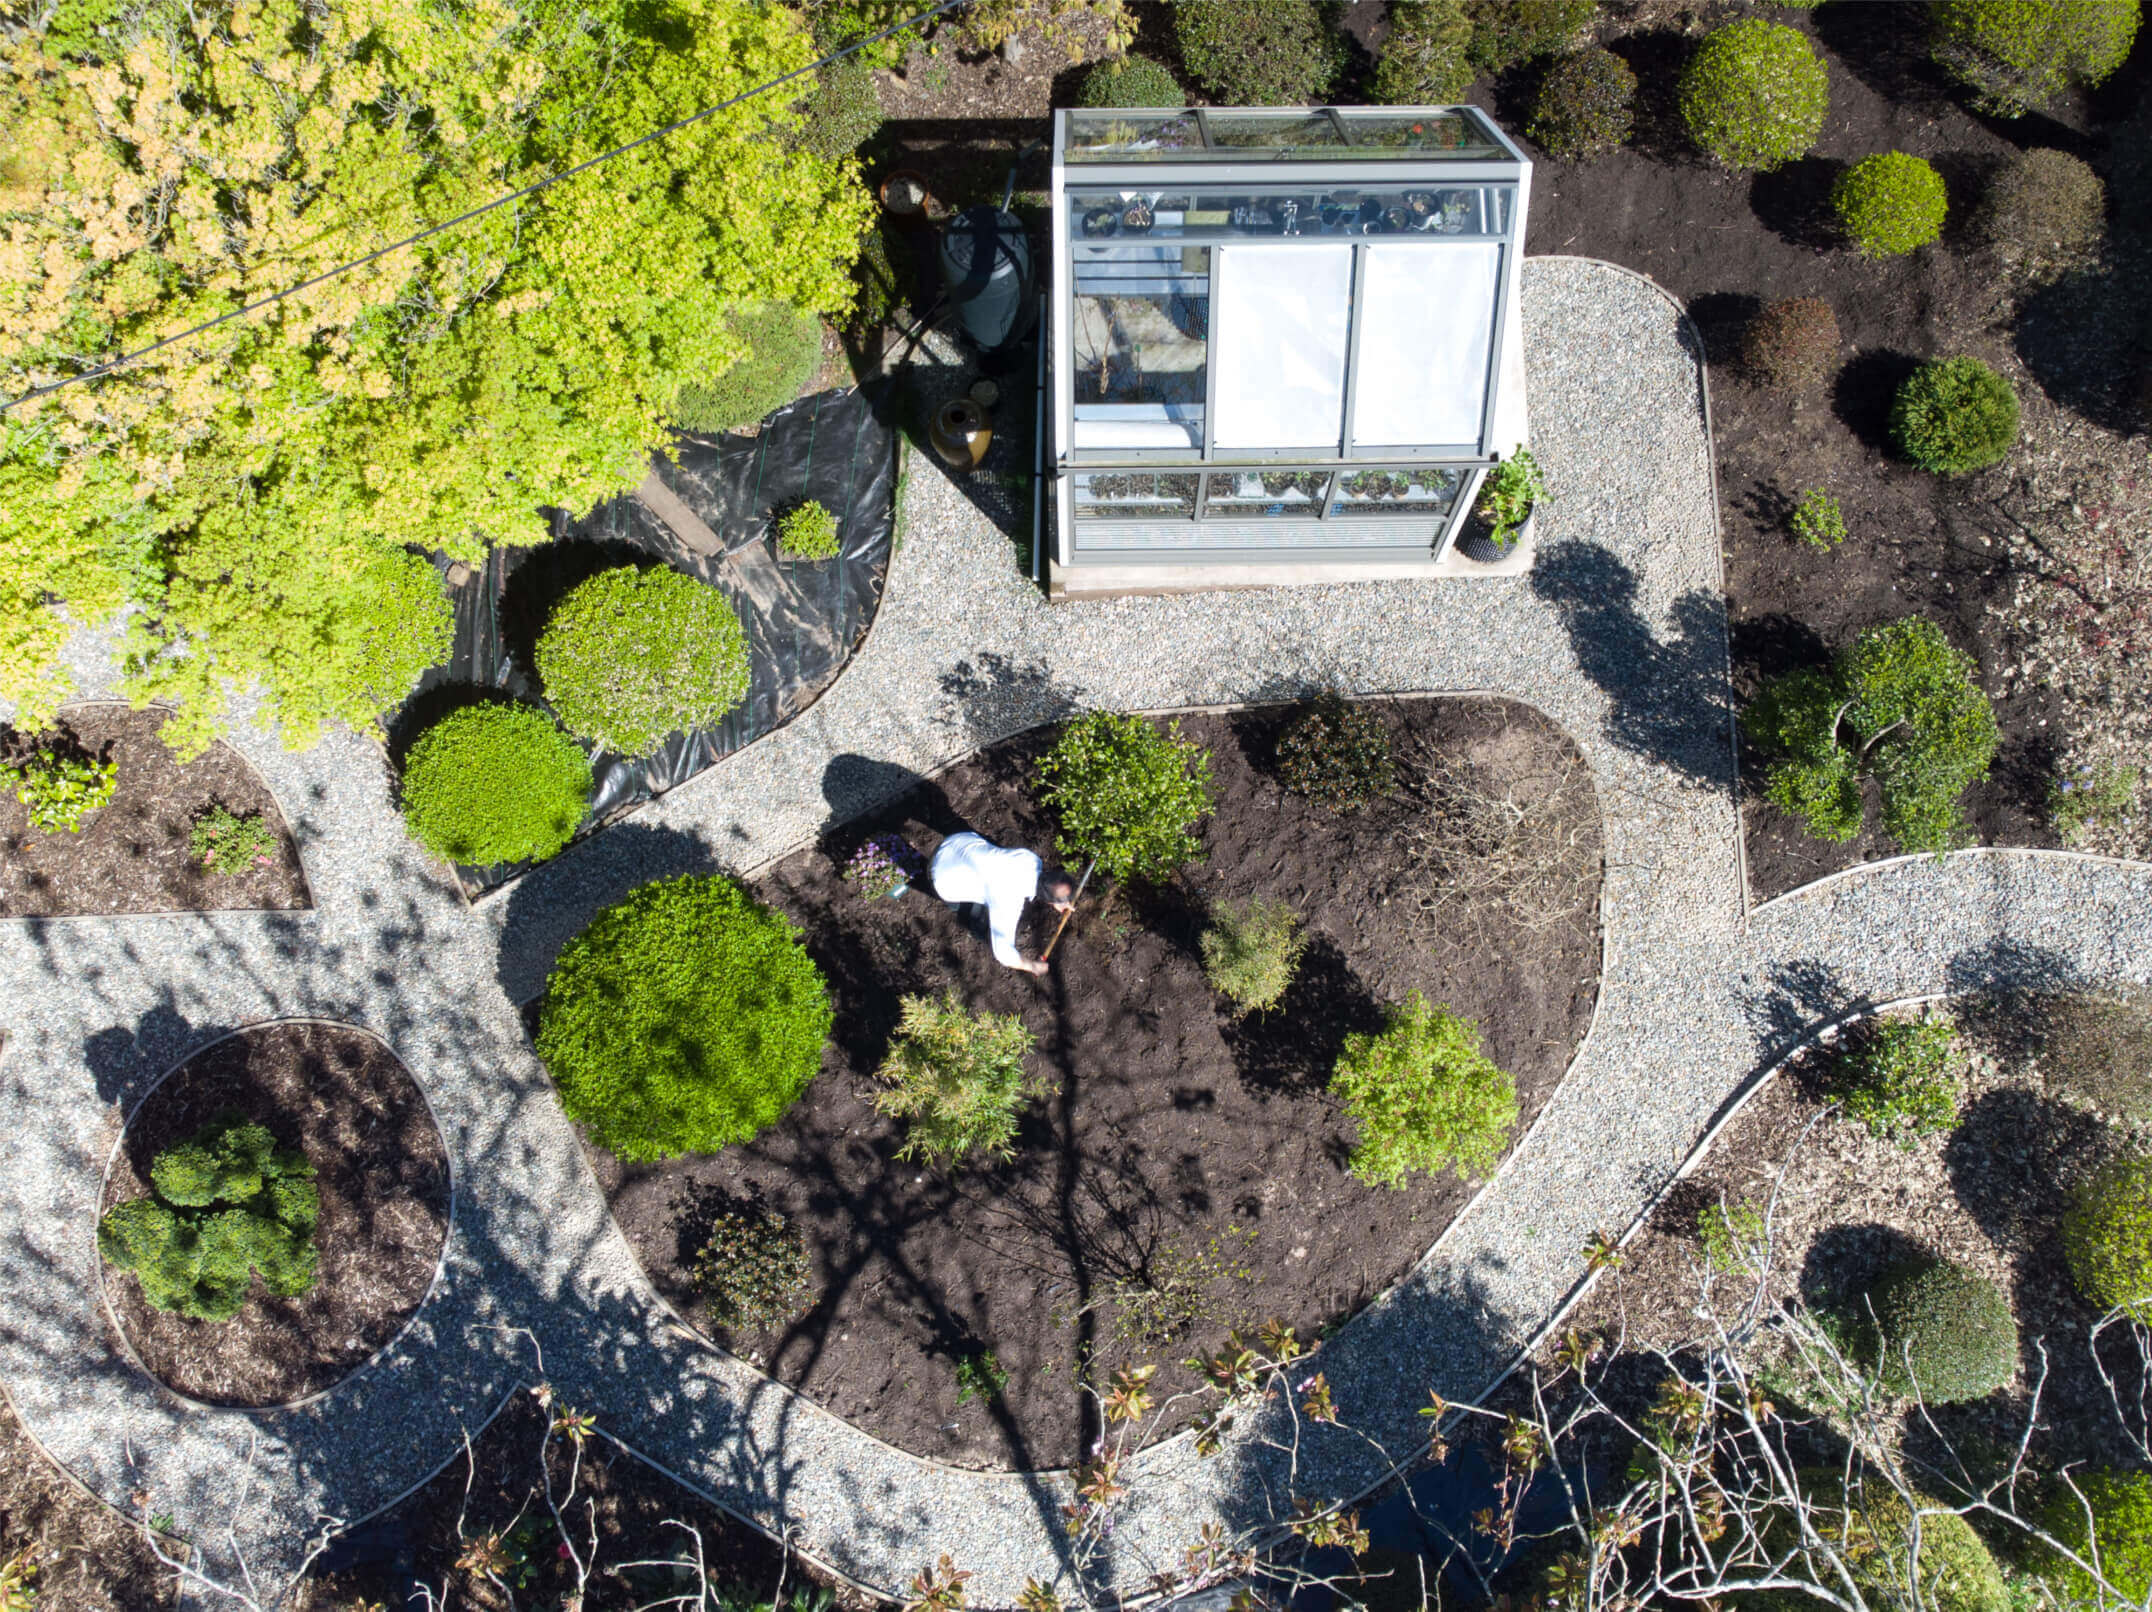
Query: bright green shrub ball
point(1943, 1331)
point(1754, 94)
point(686, 1018)
point(1259, 52)
point(1890, 203)
point(1957, 1572)
point(1128, 793)
point(2016, 55)
point(783, 347)
point(638, 653)
point(2107, 1237)
point(1132, 81)
point(495, 783)
point(1954, 415)
point(1425, 1096)
point(2121, 1523)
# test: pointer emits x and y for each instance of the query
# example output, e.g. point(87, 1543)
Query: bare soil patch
point(89, 1558)
point(348, 1102)
point(1180, 1138)
point(136, 855)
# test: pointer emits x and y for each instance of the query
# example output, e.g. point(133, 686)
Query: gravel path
point(1619, 634)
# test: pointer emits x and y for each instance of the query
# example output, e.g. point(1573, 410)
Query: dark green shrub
point(2044, 211)
point(2117, 1536)
point(1941, 1331)
point(1890, 204)
point(1424, 1095)
point(685, 1018)
point(1793, 344)
point(1259, 52)
point(2097, 1046)
point(1506, 32)
point(59, 782)
point(958, 1078)
point(880, 280)
point(1426, 59)
point(1954, 415)
point(640, 652)
point(495, 783)
point(1132, 81)
point(1127, 793)
point(2107, 1237)
point(1338, 754)
point(753, 1270)
point(2015, 55)
point(782, 347)
point(1900, 1078)
point(225, 1204)
point(228, 842)
point(843, 114)
point(1754, 94)
point(807, 532)
point(1250, 949)
point(1584, 104)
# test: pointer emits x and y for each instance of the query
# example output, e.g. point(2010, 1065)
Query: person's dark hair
point(1056, 885)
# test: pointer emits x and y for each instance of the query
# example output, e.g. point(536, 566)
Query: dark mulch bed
point(135, 854)
point(1175, 1129)
point(89, 1558)
point(348, 1102)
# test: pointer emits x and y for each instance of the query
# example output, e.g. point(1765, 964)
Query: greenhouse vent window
point(1284, 344)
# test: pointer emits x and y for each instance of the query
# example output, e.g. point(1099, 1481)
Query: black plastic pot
point(1475, 539)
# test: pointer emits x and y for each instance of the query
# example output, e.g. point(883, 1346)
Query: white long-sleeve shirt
point(968, 868)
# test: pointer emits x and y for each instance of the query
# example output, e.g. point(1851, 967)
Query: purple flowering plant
point(883, 866)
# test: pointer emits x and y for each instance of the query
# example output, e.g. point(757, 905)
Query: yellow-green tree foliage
point(263, 494)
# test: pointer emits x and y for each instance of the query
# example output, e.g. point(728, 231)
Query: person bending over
point(967, 868)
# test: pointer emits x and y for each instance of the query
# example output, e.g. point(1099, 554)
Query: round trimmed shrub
point(1954, 415)
point(685, 1018)
point(1425, 61)
point(1793, 345)
point(1583, 108)
point(1506, 32)
point(2107, 1237)
point(783, 346)
point(495, 783)
point(1890, 203)
point(2121, 1524)
point(1259, 52)
point(641, 652)
point(1754, 94)
point(1132, 81)
point(1942, 1331)
point(1875, 1535)
point(2044, 209)
point(2015, 55)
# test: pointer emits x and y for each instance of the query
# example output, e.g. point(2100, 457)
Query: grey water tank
point(986, 266)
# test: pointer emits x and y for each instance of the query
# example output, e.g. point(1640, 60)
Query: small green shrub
point(2116, 1537)
point(1793, 345)
point(1754, 94)
point(1131, 82)
point(837, 23)
point(1899, 705)
point(2016, 55)
point(2044, 211)
point(880, 281)
point(495, 783)
point(1259, 52)
point(783, 347)
point(228, 842)
point(843, 114)
point(60, 783)
point(1338, 754)
point(1875, 1538)
point(1127, 793)
point(980, 1376)
point(1817, 520)
point(1954, 415)
point(2097, 1046)
point(1732, 1237)
point(1506, 32)
point(1250, 949)
point(1890, 204)
point(641, 652)
point(1584, 106)
point(1900, 1078)
point(1424, 1095)
point(1426, 61)
point(686, 1017)
point(958, 1079)
point(753, 1270)
point(1941, 1331)
point(1507, 495)
point(807, 532)
point(2107, 1237)
point(225, 1204)
point(2097, 796)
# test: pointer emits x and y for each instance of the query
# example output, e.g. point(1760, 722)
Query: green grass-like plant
point(1890, 204)
point(2098, 796)
point(638, 653)
point(753, 1269)
point(60, 784)
point(1128, 793)
point(1939, 1331)
point(685, 1018)
point(843, 114)
point(2107, 1236)
point(2107, 1521)
point(2017, 55)
point(783, 347)
point(1754, 95)
point(958, 1079)
point(495, 783)
point(1132, 81)
point(1953, 416)
point(1250, 950)
point(228, 842)
point(1731, 1236)
point(1259, 52)
point(807, 532)
point(1899, 705)
point(1426, 61)
point(1338, 754)
point(225, 1204)
point(1900, 1079)
point(1424, 1096)
point(1817, 520)
point(1584, 106)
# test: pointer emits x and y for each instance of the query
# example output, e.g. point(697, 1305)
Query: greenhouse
point(1285, 343)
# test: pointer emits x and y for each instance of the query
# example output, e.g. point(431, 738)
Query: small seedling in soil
point(980, 1377)
point(1818, 521)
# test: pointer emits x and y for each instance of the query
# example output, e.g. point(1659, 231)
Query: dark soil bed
point(136, 855)
point(382, 1173)
point(89, 1559)
point(1178, 1136)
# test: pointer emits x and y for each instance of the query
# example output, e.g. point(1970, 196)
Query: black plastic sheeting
point(803, 620)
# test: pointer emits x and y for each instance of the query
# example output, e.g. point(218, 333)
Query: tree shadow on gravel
point(996, 696)
point(1798, 999)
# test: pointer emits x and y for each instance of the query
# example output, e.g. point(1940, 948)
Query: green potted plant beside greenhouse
point(1503, 516)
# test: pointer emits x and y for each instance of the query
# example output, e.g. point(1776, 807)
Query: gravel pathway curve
point(1619, 634)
